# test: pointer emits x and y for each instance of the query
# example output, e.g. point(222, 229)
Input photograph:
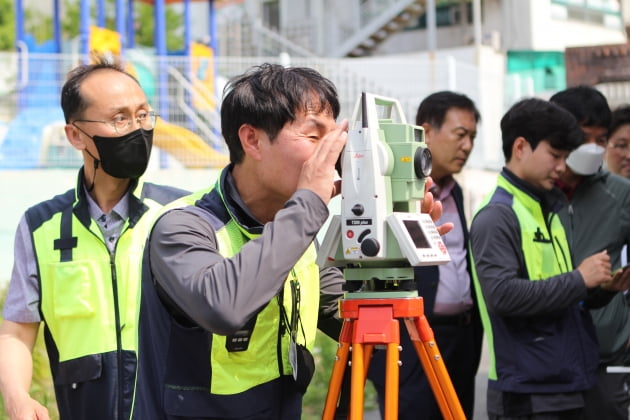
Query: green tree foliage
point(40, 24)
point(324, 354)
point(42, 388)
point(145, 27)
point(7, 25)
point(70, 23)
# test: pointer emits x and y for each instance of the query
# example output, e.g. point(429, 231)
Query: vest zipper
point(566, 266)
point(119, 358)
point(119, 355)
point(556, 242)
point(570, 211)
point(119, 349)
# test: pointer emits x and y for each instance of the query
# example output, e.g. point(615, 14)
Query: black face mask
point(125, 156)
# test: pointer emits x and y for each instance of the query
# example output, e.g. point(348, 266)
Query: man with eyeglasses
point(597, 216)
point(78, 257)
point(617, 157)
point(618, 151)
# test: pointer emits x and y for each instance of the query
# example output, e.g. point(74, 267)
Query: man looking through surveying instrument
point(450, 123)
point(234, 296)
point(534, 304)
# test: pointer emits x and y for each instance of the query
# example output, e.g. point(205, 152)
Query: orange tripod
point(370, 322)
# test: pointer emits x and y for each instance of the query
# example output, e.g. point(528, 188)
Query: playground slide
point(187, 147)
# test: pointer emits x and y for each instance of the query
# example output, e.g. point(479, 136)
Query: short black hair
point(588, 105)
point(535, 120)
point(72, 102)
point(270, 95)
point(434, 107)
point(620, 117)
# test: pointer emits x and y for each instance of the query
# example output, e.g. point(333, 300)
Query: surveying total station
point(377, 239)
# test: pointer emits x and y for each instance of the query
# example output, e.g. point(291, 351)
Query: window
point(447, 14)
point(599, 12)
point(271, 14)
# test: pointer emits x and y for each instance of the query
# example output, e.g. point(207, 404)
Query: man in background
point(450, 123)
point(534, 304)
point(596, 212)
point(618, 150)
point(78, 257)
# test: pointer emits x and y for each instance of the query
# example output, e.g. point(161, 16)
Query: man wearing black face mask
point(78, 257)
point(126, 156)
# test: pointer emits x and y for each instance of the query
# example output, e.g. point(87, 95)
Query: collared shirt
point(453, 293)
point(110, 224)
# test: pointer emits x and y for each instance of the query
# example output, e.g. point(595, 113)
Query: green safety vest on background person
point(526, 352)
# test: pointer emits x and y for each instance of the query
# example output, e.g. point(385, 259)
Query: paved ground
point(482, 385)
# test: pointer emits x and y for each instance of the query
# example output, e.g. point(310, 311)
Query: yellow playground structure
point(187, 147)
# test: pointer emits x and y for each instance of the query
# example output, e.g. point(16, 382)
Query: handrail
point(23, 64)
point(289, 47)
point(184, 84)
point(373, 19)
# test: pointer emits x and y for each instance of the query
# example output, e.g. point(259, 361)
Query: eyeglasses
point(620, 147)
point(121, 123)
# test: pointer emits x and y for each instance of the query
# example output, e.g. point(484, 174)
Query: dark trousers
point(610, 398)
point(576, 414)
point(460, 348)
point(288, 406)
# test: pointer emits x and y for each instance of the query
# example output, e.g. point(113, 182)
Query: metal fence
point(189, 129)
point(33, 121)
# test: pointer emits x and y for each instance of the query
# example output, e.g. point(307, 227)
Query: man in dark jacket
point(587, 188)
point(450, 123)
point(534, 304)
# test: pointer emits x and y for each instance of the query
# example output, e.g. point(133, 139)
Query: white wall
point(412, 77)
point(552, 31)
point(487, 153)
point(512, 19)
point(408, 41)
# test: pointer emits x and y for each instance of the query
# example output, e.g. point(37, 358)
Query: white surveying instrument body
point(384, 167)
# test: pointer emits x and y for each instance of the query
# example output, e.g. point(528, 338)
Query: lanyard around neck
point(295, 321)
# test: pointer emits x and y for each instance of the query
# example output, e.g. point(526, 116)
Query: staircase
point(379, 26)
point(352, 29)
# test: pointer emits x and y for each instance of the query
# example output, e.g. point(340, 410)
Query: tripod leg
point(357, 382)
point(392, 373)
point(339, 367)
point(368, 349)
point(434, 368)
